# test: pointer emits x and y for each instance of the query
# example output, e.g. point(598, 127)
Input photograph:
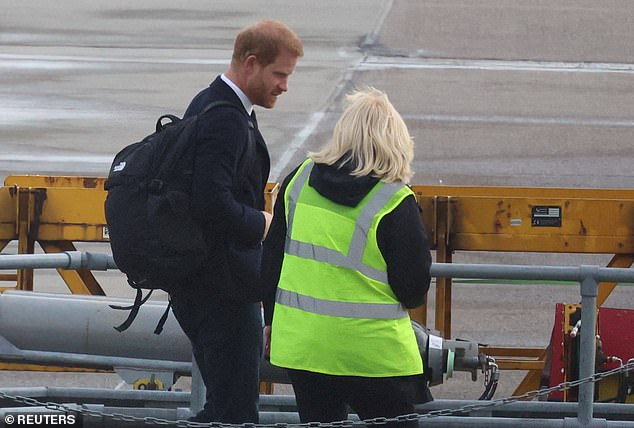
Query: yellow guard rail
point(58, 211)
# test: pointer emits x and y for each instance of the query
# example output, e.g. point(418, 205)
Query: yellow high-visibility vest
point(335, 312)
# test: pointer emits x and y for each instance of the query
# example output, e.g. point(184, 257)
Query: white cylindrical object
point(84, 325)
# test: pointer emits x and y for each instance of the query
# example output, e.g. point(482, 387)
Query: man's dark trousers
point(226, 342)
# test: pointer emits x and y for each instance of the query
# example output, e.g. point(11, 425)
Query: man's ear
point(250, 63)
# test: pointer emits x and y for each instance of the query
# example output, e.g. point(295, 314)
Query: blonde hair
point(265, 39)
point(372, 136)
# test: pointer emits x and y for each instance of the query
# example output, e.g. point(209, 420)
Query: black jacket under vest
point(401, 236)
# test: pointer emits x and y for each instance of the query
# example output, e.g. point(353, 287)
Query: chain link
point(340, 424)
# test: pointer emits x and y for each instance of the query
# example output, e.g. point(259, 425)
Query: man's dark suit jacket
point(229, 208)
point(217, 309)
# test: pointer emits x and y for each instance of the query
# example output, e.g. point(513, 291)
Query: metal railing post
point(589, 292)
point(198, 390)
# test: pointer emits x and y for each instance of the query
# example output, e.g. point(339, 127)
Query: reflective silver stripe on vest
point(293, 196)
point(332, 257)
point(340, 309)
point(353, 260)
point(359, 238)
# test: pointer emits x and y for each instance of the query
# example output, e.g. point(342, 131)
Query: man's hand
point(267, 342)
point(267, 223)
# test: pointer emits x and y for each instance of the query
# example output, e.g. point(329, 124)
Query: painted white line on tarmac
point(373, 36)
point(61, 61)
point(295, 145)
point(98, 159)
point(520, 120)
point(299, 140)
point(381, 63)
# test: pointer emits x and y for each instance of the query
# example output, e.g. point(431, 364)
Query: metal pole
point(589, 291)
point(65, 260)
point(198, 390)
point(98, 261)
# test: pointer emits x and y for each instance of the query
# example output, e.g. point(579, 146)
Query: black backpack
point(154, 239)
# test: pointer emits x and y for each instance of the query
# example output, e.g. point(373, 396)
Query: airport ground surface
point(499, 93)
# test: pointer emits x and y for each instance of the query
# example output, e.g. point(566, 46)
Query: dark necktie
point(253, 118)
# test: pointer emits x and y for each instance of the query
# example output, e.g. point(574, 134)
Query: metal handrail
point(588, 276)
point(63, 260)
point(99, 261)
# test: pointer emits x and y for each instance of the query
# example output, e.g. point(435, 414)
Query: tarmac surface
point(502, 93)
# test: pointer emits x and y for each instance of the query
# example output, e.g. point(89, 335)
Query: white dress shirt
point(248, 106)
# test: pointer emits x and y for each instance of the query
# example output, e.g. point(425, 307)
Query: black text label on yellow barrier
point(546, 216)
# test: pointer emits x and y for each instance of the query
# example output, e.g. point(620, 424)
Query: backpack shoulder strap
point(139, 300)
point(179, 144)
point(215, 104)
point(247, 157)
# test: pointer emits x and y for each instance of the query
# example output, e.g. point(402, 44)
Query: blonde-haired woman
point(345, 257)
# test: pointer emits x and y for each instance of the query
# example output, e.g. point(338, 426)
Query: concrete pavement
point(495, 93)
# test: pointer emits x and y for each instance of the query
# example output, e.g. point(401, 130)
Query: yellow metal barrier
point(56, 212)
point(554, 220)
point(515, 219)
